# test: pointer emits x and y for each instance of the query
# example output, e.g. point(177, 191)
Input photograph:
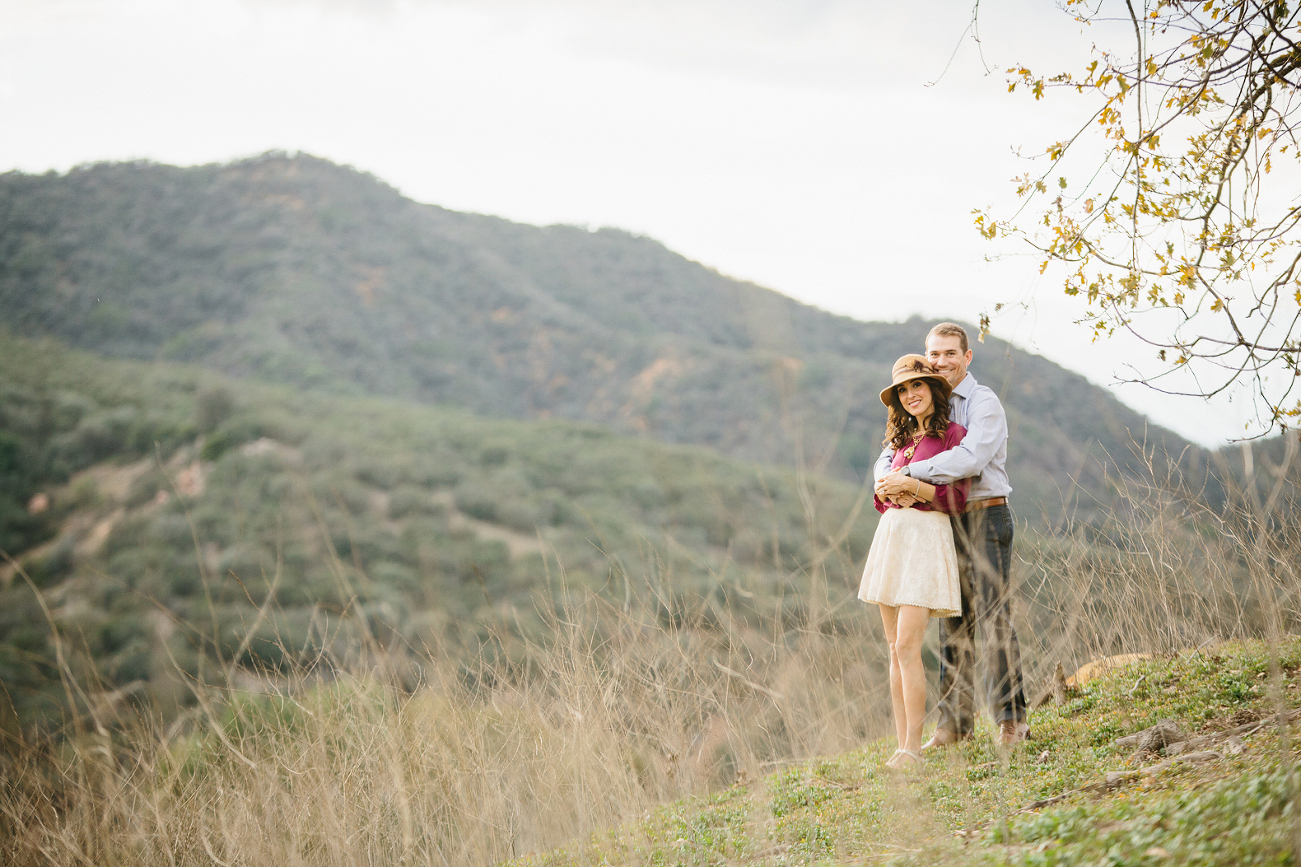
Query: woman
point(912, 570)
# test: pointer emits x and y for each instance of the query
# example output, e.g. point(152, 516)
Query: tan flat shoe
point(903, 760)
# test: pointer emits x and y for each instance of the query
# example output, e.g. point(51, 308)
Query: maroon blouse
point(950, 499)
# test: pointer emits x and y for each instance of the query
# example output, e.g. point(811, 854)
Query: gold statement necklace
point(917, 437)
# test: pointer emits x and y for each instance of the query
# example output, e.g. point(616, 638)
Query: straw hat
point(914, 366)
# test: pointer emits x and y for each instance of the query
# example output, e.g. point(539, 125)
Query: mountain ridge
point(296, 270)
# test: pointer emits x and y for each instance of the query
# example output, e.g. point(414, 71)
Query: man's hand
point(905, 500)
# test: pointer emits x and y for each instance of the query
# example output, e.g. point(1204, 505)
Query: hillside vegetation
point(298, 271)
point(196, 523)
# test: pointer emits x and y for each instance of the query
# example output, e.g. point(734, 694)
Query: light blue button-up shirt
point(982, 454)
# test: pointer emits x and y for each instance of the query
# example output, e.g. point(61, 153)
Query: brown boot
point(943, 738)
point(1011, 733)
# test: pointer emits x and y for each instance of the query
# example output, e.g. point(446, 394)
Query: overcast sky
point(832, 150)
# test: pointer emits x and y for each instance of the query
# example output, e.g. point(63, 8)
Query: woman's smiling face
point(915, 396)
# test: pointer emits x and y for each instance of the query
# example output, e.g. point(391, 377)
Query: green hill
point(298, 271)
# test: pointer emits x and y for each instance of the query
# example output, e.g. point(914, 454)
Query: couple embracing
point(943, 546)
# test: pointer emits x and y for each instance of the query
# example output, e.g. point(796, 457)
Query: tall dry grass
point(615, 709)
point(612, 712)
point(1172, 563)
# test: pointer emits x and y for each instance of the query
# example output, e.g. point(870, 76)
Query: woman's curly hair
point(901, 427)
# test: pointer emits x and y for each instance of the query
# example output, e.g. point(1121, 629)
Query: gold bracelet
point(918, 495)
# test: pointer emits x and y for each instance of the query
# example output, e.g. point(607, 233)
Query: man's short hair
point(950, 329)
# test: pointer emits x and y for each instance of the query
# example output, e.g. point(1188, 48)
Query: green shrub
point(521, 515)
point(384, 475)
point(394, 576)
point(443, 469)
point(477, 500)
point(494, 454)
point(56, 565)
point(252, 564)
point(407, 501)
point(234, 433)
point(70, 408)
point(172, 531)
point(213, 405)
point(98, 436)
point(335, 491)
point(146, 487)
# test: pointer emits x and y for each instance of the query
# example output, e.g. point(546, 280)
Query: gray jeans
point(984, 542)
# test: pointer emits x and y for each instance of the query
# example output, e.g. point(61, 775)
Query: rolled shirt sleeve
point(986, 436)
point(883, 465)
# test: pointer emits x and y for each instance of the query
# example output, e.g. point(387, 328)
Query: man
point(983, 535)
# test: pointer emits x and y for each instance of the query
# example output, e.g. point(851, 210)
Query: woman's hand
point(894, 483)
point(904, 498)
point(895, 486)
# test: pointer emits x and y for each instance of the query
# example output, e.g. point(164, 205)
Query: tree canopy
point(1175, 206)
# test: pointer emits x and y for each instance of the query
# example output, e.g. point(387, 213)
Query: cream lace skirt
point(912, 562)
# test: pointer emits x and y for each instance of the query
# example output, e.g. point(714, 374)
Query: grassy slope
point(969, 806)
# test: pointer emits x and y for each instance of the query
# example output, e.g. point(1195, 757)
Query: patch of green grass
point(706, 831)
point(1246, 819)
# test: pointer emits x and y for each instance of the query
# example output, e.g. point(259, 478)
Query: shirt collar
point(965, 388)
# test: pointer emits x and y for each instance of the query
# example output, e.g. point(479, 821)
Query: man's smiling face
point(945, 352)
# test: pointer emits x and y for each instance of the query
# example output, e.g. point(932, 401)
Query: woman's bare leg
point(889, 619)
point(910, 628)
